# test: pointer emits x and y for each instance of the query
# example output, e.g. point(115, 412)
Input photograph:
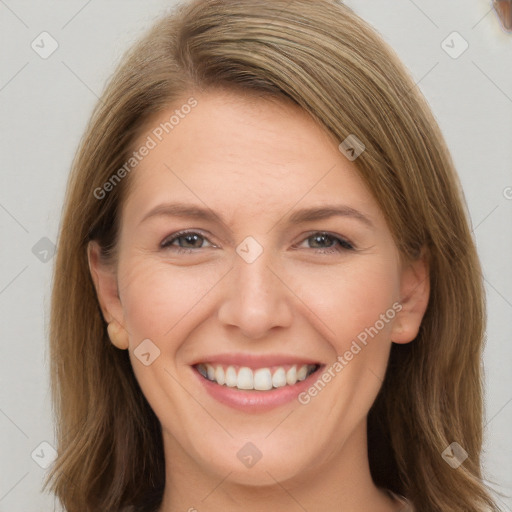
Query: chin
point(257, 463)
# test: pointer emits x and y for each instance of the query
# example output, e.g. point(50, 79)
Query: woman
point(209, 352)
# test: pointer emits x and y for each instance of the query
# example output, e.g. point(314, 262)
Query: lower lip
point(256, 401)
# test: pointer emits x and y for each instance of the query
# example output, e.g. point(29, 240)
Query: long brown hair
point(319, 55)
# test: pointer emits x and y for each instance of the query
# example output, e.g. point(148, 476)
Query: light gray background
point(44, 107)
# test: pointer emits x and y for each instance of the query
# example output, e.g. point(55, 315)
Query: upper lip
point(254, 360)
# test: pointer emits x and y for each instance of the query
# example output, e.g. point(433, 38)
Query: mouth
point(245, 378)
point(255, 383)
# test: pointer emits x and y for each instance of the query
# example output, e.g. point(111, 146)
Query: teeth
point(219, 375)
point(302, 373)
point(245, 378)
point(202, 370)
point(279, 378)
point(231, 379)
point(291, 376)
point(261, 379)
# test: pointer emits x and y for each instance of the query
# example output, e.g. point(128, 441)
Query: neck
point(340, 481)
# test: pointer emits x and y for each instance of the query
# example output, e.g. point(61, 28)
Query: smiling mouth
point(257, 379)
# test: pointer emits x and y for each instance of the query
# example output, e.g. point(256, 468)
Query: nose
point(256, 298)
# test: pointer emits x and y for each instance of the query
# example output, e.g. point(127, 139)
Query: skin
point(255, 162)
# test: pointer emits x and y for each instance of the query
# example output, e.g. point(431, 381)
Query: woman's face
point(267, 284)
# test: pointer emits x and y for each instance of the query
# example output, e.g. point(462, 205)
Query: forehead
point(241, 154)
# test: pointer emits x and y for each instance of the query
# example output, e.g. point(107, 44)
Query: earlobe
point(105, 283)
point(118, 335)
point(414, 297)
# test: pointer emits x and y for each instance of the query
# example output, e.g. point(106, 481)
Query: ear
point(105, 283)
point(414, 296)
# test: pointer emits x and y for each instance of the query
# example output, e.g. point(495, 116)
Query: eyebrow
point(299, 216)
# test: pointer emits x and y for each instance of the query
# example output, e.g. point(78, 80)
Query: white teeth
point(279, 378)
point(245, 379)
point(291, 376)
point(219, 375)
point(231, 378)
point(261, 379)
point(302, 373)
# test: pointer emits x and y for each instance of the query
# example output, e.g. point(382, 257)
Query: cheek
point(354, 309)
point(156, 296)
point(351, 300)
point(342, 300)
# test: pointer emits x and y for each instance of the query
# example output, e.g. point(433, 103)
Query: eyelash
point(343, 245)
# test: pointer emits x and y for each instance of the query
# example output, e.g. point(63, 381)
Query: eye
point(188, 242)
point(334, 243)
